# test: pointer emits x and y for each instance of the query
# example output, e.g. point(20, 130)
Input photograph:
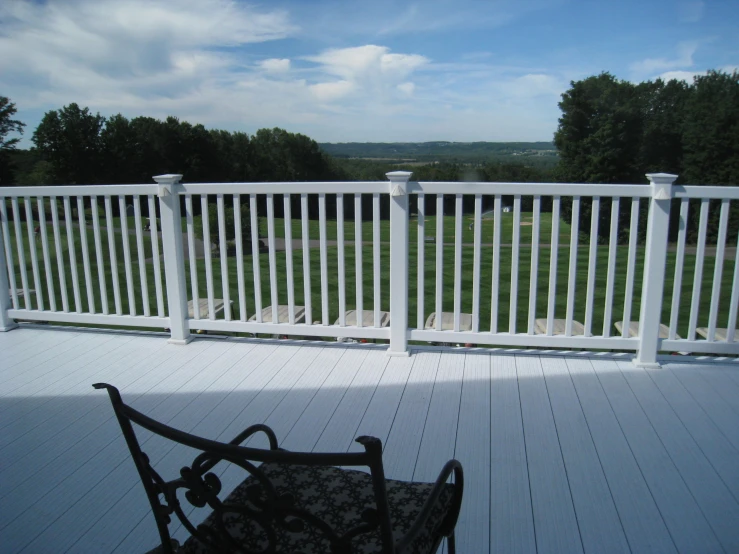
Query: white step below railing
point(527, 277)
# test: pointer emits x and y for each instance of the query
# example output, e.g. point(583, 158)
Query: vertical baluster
point(611, 278)
point(238, 233)
point(72, 254)
point(59, 257)
point(287, 209)
point(9, 255)
point(421, 269)
point(679, 262)
point(734, 303)
point(272, 258)
point(223, 250)
point(21, 252)
point(358, 258)
point(476, 263)
point(205, 214)
point(30, 227)
point(572, 275)
point(718, 268)
point(457, 260)
point(141, 254)
point(85, 255)
point(190, 224)
point(439, 259)
point(99, 255)
point(306, 258)
point(255, 256)
point(630, 266)
point(698, 275)
point(553, 254)
point(495, 288)
point(127, 256)
point(40, 203)
point(513, 300)
point(113, 254)
point(324, 258)
point(590, 301)
point(376, 255)
point(340, 240)
point(155, 253)
point(534, 276)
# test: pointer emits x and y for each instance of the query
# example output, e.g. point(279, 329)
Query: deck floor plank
point(511, 515)
point(599, 523)
point(560, 453)
point(639, 514)
point(555, 521)
point(473, 451)
point(710, 492)
point(687, 524)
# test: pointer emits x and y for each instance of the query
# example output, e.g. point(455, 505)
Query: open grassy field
point(429, 276)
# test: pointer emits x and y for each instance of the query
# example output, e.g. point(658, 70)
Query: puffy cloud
point(650, 66)
point(275, 65)
point(407, 88)
point(367, 61)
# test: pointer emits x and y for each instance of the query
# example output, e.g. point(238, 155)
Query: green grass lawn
point(542, 277)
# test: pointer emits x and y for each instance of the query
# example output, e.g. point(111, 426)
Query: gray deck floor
point(561, 453)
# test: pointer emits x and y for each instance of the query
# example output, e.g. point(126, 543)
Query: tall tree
point(8, 125)
point(70, 140)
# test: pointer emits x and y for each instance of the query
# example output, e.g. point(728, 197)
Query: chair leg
point(450, 546)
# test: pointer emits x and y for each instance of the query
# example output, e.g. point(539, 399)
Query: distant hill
point(439, 150)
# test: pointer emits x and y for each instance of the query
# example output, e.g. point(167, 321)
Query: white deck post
point(398, 262)
point(6, 324)
point(655, 258)
point(174, 261)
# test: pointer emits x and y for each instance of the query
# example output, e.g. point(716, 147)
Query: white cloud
point(332, 90)
point(368, 60)
point(407, 88)
point(275, 65)
point(684, 59)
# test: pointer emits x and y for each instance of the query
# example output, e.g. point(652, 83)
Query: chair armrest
point(241, 437)
point(452, 466)
point(249, 431)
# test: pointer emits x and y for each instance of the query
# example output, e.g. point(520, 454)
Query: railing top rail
point(369, 187)
point(705, 191)
point(315, 187)
point(78, 190)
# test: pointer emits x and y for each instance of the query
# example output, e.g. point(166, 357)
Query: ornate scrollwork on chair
point(292, 502)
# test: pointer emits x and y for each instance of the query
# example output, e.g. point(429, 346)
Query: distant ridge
point(437, 150)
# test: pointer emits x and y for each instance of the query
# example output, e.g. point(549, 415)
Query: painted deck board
point(642, 521)
point(599, 524)
point(687, 524)
point(715, 500)
point(555, 522)
point(560, 453)
point(511, 515)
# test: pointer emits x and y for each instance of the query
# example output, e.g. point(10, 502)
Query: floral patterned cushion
point(336, 496)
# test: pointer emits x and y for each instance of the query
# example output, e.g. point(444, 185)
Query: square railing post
point(655, 259)
point(398, 262)
point(174, 260)
point(6, 323)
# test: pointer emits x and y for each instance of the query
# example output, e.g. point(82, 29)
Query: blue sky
point(349, 70)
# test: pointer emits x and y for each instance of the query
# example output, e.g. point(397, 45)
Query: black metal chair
point(294, 502)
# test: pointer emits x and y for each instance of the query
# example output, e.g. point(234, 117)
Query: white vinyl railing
point(504, 267)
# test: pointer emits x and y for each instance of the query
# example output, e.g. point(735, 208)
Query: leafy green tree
point(8, 125)
point(70, 140)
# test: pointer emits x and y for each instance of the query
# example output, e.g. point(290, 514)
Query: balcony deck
point(562, 453)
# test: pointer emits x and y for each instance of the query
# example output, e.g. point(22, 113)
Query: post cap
point(661, 185)
point(399, 176)
point(168, 178)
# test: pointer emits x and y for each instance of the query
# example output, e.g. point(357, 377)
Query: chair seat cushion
point(336, 496)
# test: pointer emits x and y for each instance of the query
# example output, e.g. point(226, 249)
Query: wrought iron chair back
point(268, 509)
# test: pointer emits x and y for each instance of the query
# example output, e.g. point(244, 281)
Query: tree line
point(610, 131)
point(615, 131)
